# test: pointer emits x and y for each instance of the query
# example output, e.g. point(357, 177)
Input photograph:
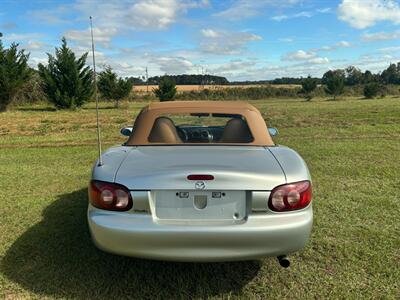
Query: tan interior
point(236, 131)
point(145, 121)
point(164, 131)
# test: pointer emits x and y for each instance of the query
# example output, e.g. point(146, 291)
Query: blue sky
point(239, 39)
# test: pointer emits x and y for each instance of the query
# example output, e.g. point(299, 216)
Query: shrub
point(107, 82)
point(240, 93)
point(113, 88)
point(67, 81)
point(14, 73)
point(371, 90)
point(123, 88)
point(334, 85)
point(308, 85)
point(31, 91)
point(166, 89)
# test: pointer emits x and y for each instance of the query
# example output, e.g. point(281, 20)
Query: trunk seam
point(122, 161)
point(283, 171)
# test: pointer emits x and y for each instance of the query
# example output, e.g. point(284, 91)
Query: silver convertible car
point(200, 181)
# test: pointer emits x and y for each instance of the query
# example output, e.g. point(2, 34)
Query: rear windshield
point(200, 128)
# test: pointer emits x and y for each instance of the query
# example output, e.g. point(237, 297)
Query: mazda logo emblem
point(200, 185)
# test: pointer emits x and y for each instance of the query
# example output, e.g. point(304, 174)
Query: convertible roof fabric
point(146, 118)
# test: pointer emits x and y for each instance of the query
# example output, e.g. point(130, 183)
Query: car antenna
point(100, 162)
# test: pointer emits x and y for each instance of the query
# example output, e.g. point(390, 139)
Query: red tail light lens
point(200, 177)
point(109, 196)
point(290, 196)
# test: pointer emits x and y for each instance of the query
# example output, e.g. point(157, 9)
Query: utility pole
point(147, 81)
point(202, 78)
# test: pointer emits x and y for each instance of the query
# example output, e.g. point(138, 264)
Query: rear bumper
point(139, 235)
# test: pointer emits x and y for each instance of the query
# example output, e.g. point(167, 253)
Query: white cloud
point(375, 62)
point(102, 36)
point(365, 13)
point(174, 65)
point(35, 60)
point(234, 65)
point(298, 70)
point(324, 10)
point(154, 14)
point(307, 57)
point(101, 57)
point(279, 18)
point(345, 44)
point(114, 18)
point(126, 69)
point(130, 15)
point(247, 8)
point(237, 69)
point(305, 14)
point(34, 45)
point(340, 44)
point(209, 33)
point(380, 36)
point(224, 42)
point(21, 37)
point(299, 55)
point(390, 49)
point(302, 14)
point(318, 60)
point(138, 15)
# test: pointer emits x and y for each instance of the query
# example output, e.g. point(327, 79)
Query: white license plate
point(200, 205)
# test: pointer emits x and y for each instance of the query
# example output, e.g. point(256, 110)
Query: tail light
point(200, 177)
point(109, 196)
point(290, 196)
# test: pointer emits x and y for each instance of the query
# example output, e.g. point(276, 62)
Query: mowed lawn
point(352, 148)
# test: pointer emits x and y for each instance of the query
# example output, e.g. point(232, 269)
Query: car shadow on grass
point(36, 109)
point(102, 107)
point(57, 258)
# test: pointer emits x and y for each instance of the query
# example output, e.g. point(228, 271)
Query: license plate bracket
point(200, 205)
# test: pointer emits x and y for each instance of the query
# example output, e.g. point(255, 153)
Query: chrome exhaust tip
point(284, 261)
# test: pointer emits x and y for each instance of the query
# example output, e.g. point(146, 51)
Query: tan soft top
point(146, 118)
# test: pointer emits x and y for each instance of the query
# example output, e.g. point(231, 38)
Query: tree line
point(68, 82)
point(335, 81)
point(183, 79)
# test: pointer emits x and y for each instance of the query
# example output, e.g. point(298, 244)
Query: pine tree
point(308, 85)
point(371, 90)
point(14, 73)
point(166, 89)
point(67, 81)
point(334, 81)
point(113, 88)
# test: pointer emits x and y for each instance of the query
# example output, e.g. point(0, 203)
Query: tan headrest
point(236, 131)
point(164, 131)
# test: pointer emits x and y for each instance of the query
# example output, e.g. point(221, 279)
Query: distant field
point(351, 146)
point(187, 88)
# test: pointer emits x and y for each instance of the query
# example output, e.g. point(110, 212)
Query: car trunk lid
point(167, 168)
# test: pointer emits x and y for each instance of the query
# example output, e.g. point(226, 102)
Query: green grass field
point(352, 148)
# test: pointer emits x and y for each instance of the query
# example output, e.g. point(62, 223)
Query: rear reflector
point(200, 177)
